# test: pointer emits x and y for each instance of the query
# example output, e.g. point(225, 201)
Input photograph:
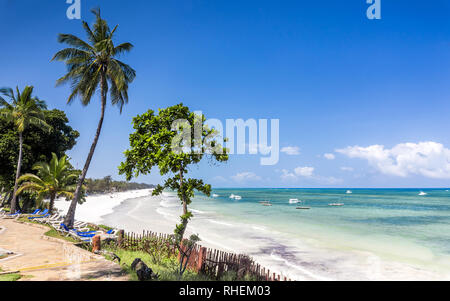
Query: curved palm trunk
point(52, 203)
point(70, 216)
point(16, 184)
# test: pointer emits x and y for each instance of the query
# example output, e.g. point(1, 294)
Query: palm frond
point(74, 41)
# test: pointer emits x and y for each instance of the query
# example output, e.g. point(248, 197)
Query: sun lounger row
point(79, 231)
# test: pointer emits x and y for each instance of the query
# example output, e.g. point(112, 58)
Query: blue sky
point(339, 83)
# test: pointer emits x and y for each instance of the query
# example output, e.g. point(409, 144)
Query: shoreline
point(99, 205)
point(298, 259)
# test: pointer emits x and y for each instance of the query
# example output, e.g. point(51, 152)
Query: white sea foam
point(220, 223)
point(299, 268)
point(160, 211)
point(259, 228)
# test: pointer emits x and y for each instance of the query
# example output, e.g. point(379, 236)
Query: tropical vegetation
point(94, 65)
point(54, 179)
point(108, 184)
point(38, 146)
point(166, 141)
point(23, 110)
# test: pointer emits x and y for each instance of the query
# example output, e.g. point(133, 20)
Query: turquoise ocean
point(378, 234)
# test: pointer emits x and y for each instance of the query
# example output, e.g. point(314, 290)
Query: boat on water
point(422, 193)
point(294, 201)
point(336, 204)
point(215, 195)
point(303, 208)
point(235, 197)
point(265, 203)
point(349, 192)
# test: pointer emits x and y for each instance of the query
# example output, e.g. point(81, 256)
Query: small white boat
point(294, 201)
point(349, 192)
point(336, 204)
point(215, 195)
point(267, 204)
point(235, 197)
point(423, 193)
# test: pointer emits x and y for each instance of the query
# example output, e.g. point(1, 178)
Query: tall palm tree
point(53, 179)
point(92, 65)
point(23, 110)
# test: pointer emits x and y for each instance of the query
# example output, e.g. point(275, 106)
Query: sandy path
point(47, 259)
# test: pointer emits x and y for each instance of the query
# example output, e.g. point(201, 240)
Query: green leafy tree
point(94, 65)
point(54, 179)
point(23, 110)
point(38, 145)
point(173, 140)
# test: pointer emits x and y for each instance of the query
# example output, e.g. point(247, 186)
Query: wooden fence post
point(120, 237)
point(96, 244)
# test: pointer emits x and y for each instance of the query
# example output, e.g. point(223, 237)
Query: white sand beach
point(97, 206)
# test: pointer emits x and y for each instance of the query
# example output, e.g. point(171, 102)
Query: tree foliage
point(107, 184)
point(23, 110)
point(173, 140)
point(54, 179)
point(38, 144)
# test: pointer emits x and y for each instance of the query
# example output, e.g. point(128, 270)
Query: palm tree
point(24, 110)
point(92, 65)
point(52, 180)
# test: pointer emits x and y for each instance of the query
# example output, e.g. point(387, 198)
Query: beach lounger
point(15, 215)
point(43, 214)
point(112, 231)
point(84, 236)
point(35, 212)
point(53, 220)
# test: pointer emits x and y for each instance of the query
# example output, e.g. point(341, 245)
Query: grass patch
point(167, 268)
point(104, 227)
point(10, 277)
point(55, 234)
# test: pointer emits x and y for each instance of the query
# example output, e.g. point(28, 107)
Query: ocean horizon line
point(354, 188)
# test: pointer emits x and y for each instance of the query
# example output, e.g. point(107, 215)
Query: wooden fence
point(211, 262)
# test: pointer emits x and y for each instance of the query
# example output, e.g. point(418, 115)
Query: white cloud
point(219, 179)
point(286, 175)
point(329, 156)
point(345, 168)
point(246, 176)
point(304, 171)
point(428, 159)
point(307, 172)
point(291, 150)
